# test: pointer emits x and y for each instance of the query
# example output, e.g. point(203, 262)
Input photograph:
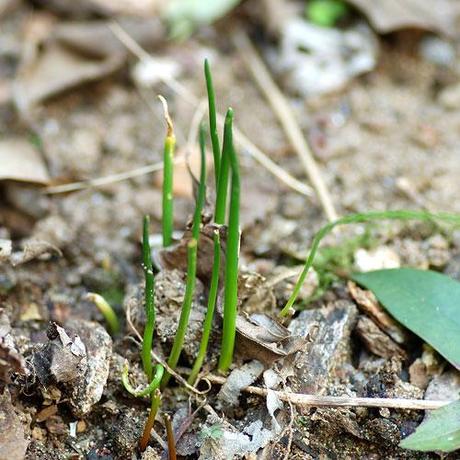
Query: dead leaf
point(175, 256)
point(389, 15)
point(46, 412)
point(239, 378)
point(34, 249)
point(13, 444)
point(265, 339)
point(368, 303)
point(375, 340)
point(74, 54)
point(20, 161)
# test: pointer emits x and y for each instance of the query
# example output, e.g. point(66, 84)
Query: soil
point(386, 141)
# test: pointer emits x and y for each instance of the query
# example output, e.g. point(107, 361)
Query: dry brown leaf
point(175, 256)
point(376, 340)
point(368, 303)
point(390, 15)
point(263, 338)
point(20, 161)
point(74, 54)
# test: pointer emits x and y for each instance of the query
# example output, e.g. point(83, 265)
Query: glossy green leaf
point(440, 432)
point(426, 302)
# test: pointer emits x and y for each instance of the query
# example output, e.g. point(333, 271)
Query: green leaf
point(441, 431)
point(325, 12)
point(184, 15)
point(426, 302)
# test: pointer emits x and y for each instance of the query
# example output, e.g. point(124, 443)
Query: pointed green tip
point(229, 115)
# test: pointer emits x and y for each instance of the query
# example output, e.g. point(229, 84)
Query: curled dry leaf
point(265, 339)
point(368, 303)
point(34, 249)
point(75, 54)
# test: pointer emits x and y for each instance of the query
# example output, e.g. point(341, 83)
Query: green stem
point(222, 183)
point(361, 218)
point(192, 249)
point(212, 297)
point(106, 310)
point(168, 170)
point(154, 406)
point(185, 311)
point(231, 266)
point(212, 120)
point(201, 198)
point(168, 192)
point(152, 386)
point(149, 300)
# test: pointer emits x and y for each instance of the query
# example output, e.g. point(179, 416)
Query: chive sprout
point(212, 120)
point(222, 183)
point(168, 169)
point(154, 407)
point(192, 249)
point(232, 256)
point(106, 310)
point(212, 297)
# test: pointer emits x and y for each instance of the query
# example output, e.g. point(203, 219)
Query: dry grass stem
point(303, 400)
point(287, 119)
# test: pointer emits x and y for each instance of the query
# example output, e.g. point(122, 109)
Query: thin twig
point(304, 400)
point(112, 178)
point(287, 119)
point(189, 97)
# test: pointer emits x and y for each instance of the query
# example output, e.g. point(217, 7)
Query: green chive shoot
point(168, 170)
point(231, 262)
point(355, 219)
point(192, 249)
point(212, 120)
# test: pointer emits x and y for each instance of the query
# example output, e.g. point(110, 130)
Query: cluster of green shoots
point(227, 178)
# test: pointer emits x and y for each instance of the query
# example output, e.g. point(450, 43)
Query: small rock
point(125, 433)
point(418, 375)
point(453, 267)
point(449, 97)
point(438, 51)
point(330, 346)
point(6, 247)
point(90, 385)
point(437, 250)
point(444, 387)
point(376, 259)
point(13, 444)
